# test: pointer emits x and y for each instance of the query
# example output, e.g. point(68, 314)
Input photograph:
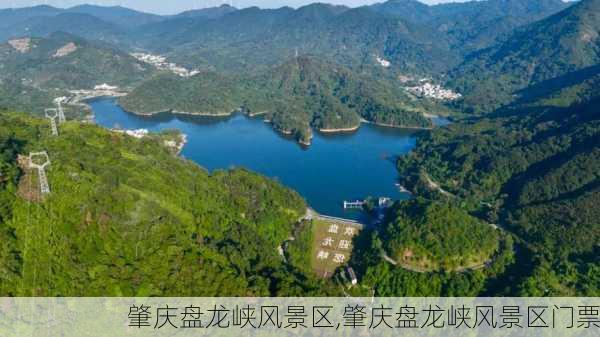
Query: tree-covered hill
point(414, 37)
point(473, 25)
point(89, 21)
point(15, 95)
point(208, 13)
point(301, 93)
point(125, 217)
point(117, 15)
point(245, 39)
point(34, 71)
point(532, 168)
point(68, 62)
point(565, 42)
point(432, 236)
point(85, 25)
point(10, 17)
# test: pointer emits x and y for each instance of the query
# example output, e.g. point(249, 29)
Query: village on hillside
point(161, 63)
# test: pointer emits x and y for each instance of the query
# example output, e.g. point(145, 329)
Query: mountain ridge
point(552, 47)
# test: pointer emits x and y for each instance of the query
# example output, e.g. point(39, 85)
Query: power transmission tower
point(61, 113)
point(51, 114)
point(44, 186)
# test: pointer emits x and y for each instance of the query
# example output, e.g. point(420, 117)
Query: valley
point(479, 120)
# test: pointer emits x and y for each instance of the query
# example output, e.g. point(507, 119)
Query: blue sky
point(175, 6)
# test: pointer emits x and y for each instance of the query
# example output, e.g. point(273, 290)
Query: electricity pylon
point(51, 114)
point(44, 186)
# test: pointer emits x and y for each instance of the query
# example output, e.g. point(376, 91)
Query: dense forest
point(546, 50)
point(125, 217)
point(301, 93)
point(505, 197)
point(534, 170)
point(432, 236)
point(65, 61)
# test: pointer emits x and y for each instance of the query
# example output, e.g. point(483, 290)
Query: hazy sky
point(175, 6)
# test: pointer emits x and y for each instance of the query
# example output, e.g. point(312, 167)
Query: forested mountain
point(245, 39)
point(120, 16)
point(505, 197)
point(10, 17)
point(532, 168)
point(128, 218)
point(68, 62)
point(208, 13)
point(416, 38)
point(475, 24)
point(302, 92)
point(556, 46)
point(529, 168)
point(109, 24)
point(33, 71)
point(83, 25)
point(115, 15)
point(434, 236)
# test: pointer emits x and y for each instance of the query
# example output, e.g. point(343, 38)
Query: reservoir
point(333, 169)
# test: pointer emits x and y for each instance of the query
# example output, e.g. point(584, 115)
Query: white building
point(429, 90)
point(383, 62)
point(139, 133)
point(105, 87)
point(352, 275)
point(161, 63)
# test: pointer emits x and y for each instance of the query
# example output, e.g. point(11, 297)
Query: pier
point(357, 204)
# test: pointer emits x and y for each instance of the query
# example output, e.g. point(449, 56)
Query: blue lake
point(334, 168)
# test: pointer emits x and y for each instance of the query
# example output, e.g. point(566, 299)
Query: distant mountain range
point(476, 24)
point(413, 36)
point(553, 47)
point(490, 51)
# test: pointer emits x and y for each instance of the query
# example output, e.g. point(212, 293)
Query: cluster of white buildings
point(139, 133)
point(99, 90)
point(105, 87)
point(160, 62)
point(430, 90)
point(21, 45)
point(383, 62)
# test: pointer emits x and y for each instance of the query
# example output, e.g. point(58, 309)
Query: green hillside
point(303, 92)
point(550, 48)
point(250, 38)
point(34, 71)
point(68, 62)
point(125, 217)
point(534, 170)
point(436, 236)
point(473, 25)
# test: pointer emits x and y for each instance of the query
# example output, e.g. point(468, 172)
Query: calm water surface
point(334, 168)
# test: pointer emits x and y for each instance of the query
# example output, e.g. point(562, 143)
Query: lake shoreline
point(339, 130)
point(393, 126)
point(286, 133)
point(322, 170)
